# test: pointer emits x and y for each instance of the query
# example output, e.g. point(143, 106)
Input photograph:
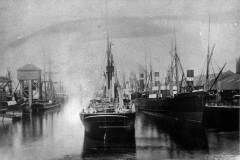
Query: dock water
point(59, 134)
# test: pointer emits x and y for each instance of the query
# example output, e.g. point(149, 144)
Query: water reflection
point(59, 134)
point(187, 136)
point(47, 135)
point(39, 125)
point(5, 128)
point(168, 138)
point(124, 147)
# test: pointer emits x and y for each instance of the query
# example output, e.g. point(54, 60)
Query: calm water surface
point(59, 135)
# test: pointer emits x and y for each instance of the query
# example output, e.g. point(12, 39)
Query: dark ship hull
point(39, 107)
point(102, 125)
point(184, 106)
point(222, 117)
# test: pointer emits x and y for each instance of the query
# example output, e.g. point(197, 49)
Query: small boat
point(38, 106)
point(110, 114)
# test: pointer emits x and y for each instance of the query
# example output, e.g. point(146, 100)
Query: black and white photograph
point(119, 79)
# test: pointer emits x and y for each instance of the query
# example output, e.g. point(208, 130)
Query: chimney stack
point(141, 81)
point(190, 79)
point(156, 79)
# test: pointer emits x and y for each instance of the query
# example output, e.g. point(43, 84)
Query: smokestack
point(238, 66)
point(190, 75)
point(156, 79)
point(141, 81)
point(190, 79)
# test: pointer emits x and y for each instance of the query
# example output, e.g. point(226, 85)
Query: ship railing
point(228, 103)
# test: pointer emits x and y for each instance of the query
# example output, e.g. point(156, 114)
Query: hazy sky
point(73, 32)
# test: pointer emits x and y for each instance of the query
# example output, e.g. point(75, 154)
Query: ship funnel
point(190, 79)
point(141, 81)
point(190, 75)
point(156, 79)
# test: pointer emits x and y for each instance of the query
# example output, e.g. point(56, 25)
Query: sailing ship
point(49, 99)
point(61, 95)
point(110, 114)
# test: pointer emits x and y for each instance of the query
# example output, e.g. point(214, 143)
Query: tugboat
point(110, 115)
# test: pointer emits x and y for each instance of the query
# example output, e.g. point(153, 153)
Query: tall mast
point(145, 86)
point(10, 79)
point(151, 76)
point(44, 77)
point(171, 73)
point(44, 80)
point(109, 67)
point(208, 56)
point(50, 79)
point(176, 61)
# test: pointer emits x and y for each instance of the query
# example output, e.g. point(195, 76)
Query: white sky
point(73, 32)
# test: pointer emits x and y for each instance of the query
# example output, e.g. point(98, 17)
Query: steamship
point(214, 103)
point(171, 99)
point(222, 106)
point(110, 114)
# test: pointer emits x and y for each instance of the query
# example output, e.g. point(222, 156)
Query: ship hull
point(102, 125)
point(187, 106)
point(222, 117)
point(39, 107)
